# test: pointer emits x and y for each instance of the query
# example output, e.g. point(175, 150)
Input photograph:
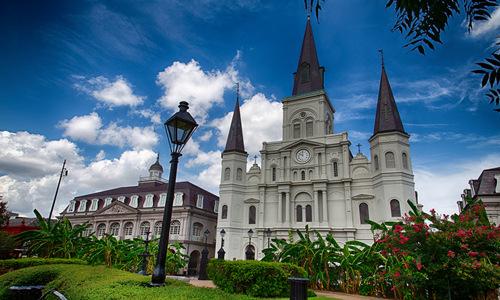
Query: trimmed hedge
point(254, 278)
point(8, 265)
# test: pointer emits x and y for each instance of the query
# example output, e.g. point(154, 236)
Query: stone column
point(348, 204)
point(316, 207)
point(287, 212)
point(325, 207)
point(280, 208)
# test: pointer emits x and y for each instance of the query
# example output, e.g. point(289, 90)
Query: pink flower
point(397, 274)
point(419, 265)
point(473, 253)
point(451, 254)
point(403, 239)
point(398, 228)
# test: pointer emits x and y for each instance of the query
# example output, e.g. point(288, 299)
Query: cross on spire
point(359, 148)
point(238, 91)
point(255, 160)
point(381, 56)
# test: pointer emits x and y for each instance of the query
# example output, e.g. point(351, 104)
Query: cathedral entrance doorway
point(193, 263)
point(250, 252)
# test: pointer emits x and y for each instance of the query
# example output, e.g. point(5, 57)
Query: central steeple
point(309, 74)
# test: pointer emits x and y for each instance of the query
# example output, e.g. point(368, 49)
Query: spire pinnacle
point(235, 136)
point(309, 74)
point(382, 56)
point(387, 117)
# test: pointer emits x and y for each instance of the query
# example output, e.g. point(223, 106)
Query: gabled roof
point(301, 142)
point(387, 118)
point(235, 136)
point(116, 207)
point(308, 59)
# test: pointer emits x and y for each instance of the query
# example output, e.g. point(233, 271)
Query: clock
point(303, 156)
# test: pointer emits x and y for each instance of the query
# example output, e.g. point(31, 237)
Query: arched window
point(224, 212)
point(375, 162)
point(299, 213)
point(252, 214)
point(364, 214)
point(395, 208)
point(114, 229)
point(335, 169)
point(404, 158)
point(197, 228)
point(145, 227)
point(310, 174)
point(296, 130)
point(239, 174)
point(227, 174)
point(175, 227)
point(305, 73)
point(128, 229)
point(303, 175)
point(309, 213)
point(273, 173)
point(309, 128)
point(389, 160)
point(295, 175)
point(101, 230)
point(157, 229)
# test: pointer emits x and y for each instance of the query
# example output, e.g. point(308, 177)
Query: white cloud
point(205, 158)
point(206, 136)
point(485, 27)
point(30, 170)
point(154, 117)
point(261, 121)
point(440, 187)
point(89, 129)
point(100, 156)
point(201, 89)
point(112, 93)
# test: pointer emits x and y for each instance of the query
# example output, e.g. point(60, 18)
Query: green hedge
point(8, 265)
point(254, 278)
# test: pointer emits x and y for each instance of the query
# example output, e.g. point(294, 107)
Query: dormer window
point(199, 201)
point(178, 199)
point(107, 201)
point(83, 206)
point(163, 199)
point(134, 200)
point(94, 205)
point(121, 199)
point(149, 201)
point(71, 207)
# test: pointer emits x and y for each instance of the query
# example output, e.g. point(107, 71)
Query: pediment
point(362, 197)
point(115, 208)
point(252, 200)
point(301, 143)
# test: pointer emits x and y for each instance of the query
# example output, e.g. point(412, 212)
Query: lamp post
point(249, 253)
point(145, 255)
point(221, 253)
point(179, 129)
point(204, 259)
point(268, 235)
point(64, 172)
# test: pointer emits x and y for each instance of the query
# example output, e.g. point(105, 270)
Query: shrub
point(9, 265)
point(254, 278)
point(7, 245)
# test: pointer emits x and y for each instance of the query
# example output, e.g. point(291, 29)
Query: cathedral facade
point(311, 177)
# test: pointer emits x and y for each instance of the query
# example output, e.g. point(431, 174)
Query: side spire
point(387, 117)
point(309, 75)
point(235, 136)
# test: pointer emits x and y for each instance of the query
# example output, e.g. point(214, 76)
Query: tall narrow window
point(148, 202)
point(134, 201)
point(82, 207)
point(128, 229)
point(239, 174)
point(197, 228)
point(335, 169)
point(284, 168)
point(395, 208)
point(303, 175)
point(227, 174)
point(308, 213)
point(364, 214)
point(107, 201)
point(320, 165)
point(177, 199)
point(273, 173)
point(405, 160)
point(157, 229)
point(175, 227)
point(145, 227)
point(296, 130)
point(224, 212)
point(252, 214)
point(389, 160)
point(114, 229)
point(328, 126)
point(94, 204)
point(101, 230)
point(299, 213)
point(375, 162)
point(295, 175)
point(199, 201)
point(309, 128)
point(310, 174)
point(163, 199)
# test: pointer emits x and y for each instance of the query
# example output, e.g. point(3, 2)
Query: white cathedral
point(310, 177)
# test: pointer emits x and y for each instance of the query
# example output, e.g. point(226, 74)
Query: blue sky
point(92, 81)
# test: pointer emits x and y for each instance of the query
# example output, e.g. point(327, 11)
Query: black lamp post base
point(156, 284)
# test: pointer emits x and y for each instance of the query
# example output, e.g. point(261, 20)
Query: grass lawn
point(99, 282)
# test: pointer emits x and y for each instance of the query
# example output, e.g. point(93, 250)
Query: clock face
point(303, 156)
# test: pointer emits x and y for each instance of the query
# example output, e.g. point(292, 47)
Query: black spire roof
point(387, 118)
point(156, 166)
point(309, 75)
point(235, 136)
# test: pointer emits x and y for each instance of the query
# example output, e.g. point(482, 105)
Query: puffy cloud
point(202, 89)
point(30, 171)
point(491, 25)
point(154, 117)
point(89, 129)
point(261, 121)
point(112, 93)
point(206, 136)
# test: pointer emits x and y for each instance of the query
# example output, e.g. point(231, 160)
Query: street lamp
point(249, 253)
point(221, 253)
point(145, 255)
point(204, 259)
point(179, 129)
point(268, 235)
